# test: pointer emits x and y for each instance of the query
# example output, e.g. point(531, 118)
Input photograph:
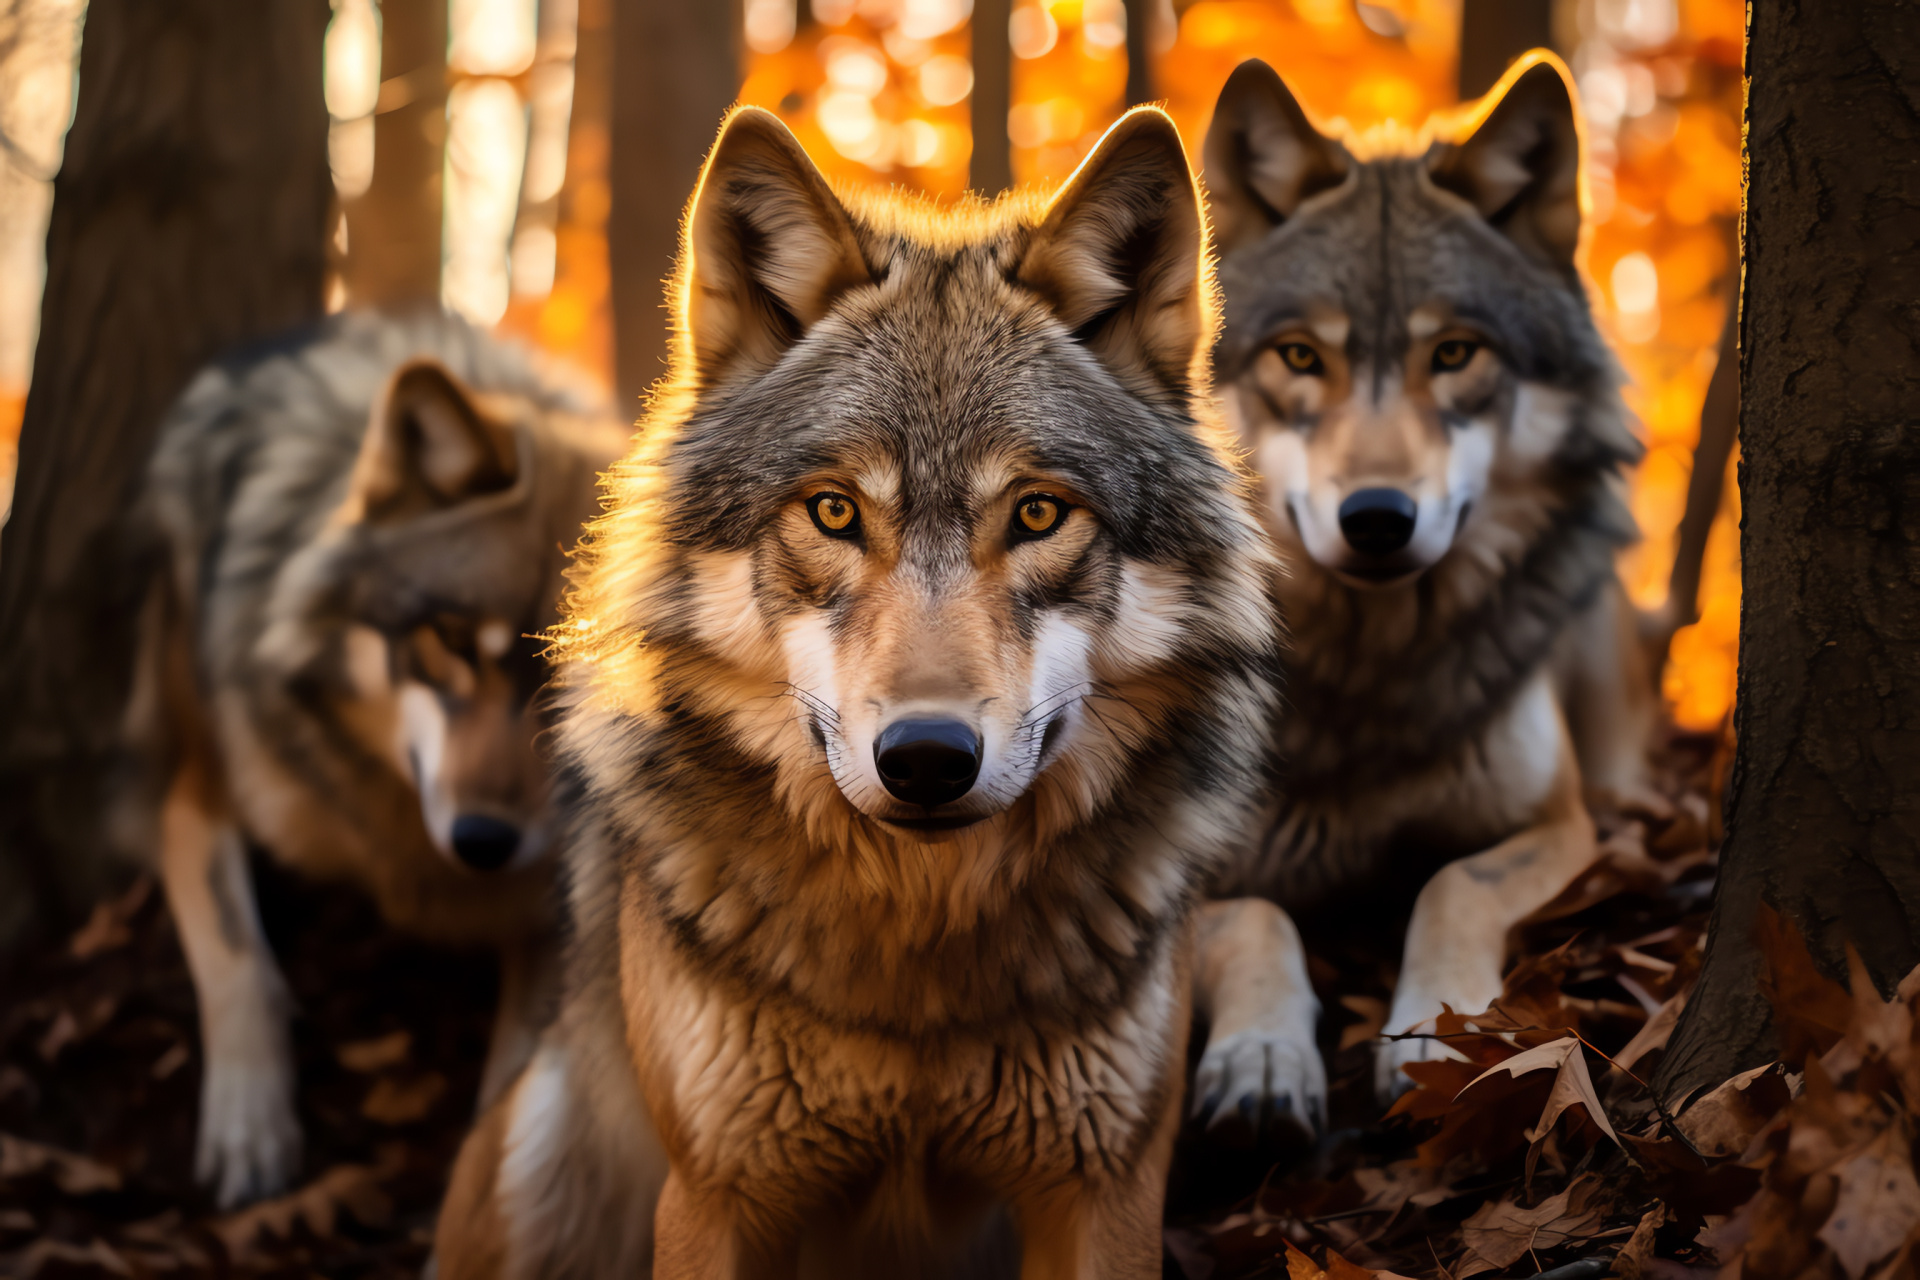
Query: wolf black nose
point(1377, 521)
point(483, 843)
point(927, 762)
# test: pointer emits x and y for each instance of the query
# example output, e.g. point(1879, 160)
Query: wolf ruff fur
point(915, 466)
point(359, 531)
point(1409, 357)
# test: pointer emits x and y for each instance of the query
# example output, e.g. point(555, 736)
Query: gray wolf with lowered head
point(915, 683)
point(361, 529)
point(1409, 356)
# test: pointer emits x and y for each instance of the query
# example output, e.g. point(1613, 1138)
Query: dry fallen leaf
point(352, 1187)
point(171, 1061)
point(368, 1056)
point(1877, 1206)
point(1724, 1120)
point(1653, 1035)
point(107, 928)
point(1571, 1085)
point(70, 1028)
point(1631, 1262)
point(97, 1254)
point(77, 1175)
point(403, 1101)
point(1500, 1234)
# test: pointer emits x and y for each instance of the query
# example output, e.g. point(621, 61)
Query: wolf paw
point(1257, 1085)
point(249, 1144)
point(1389, 1081)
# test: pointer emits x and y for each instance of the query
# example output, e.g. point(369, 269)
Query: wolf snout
point(927, 762)
point(1377, 522)
point(484, 843)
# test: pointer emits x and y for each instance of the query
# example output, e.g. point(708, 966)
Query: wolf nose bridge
point(1377, 522)
point(927, 762)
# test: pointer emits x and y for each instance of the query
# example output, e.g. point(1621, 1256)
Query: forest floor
point(1543, 1152)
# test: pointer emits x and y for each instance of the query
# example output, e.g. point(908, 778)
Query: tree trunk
point(1823, 811)
point(1495, 32)
point(190, 215)
point(675, 72)
point(393, 230)
point(1141, 15)
point(990, 171)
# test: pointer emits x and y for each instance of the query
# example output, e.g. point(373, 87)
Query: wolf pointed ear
point(1263, 156)
point(429, 445)
point(1521, 166)
point(1118, 256)
point(770, 248)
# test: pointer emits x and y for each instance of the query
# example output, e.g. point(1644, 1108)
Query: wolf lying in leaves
point(917, 679)
point(1409, 356)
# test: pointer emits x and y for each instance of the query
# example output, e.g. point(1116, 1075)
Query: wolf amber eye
point(1453, 355)
point(1037, 516)
point(834, 514)
point(1301, 358)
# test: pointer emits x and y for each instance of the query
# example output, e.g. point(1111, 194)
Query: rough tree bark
point(393, 229)
point(1823, 808)
point(190, 214)
point(675, 72)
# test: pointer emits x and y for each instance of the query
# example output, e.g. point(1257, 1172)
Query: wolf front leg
point(1108, 1229)
point(249, 1141)
point(696, 1237)
point(1457, 940)
point(1262, 1063)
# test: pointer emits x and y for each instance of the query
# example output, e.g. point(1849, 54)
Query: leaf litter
point(1538, 1147)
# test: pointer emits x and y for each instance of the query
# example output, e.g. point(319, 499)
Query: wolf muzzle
point(1377, 522)
point(927, 762)
point(483, 843)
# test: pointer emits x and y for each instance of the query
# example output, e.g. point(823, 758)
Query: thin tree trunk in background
point(1823, 811)
point(990, 171)
point(1495, 32)
point(675, 72)
point(1719, 425)
point(1140, 19)
point(393, 229)
point(190, 215)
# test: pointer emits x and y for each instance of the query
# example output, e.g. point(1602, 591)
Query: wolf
point(358, 532)
point(1409, 357)
point(914, 684)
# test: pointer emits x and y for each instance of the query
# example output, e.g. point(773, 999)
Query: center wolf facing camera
point(917, 678)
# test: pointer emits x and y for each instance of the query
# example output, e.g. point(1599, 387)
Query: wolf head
point(927, 545)
point(443, 564)
point(1407, 339)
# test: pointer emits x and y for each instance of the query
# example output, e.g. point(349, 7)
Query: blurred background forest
point(472, 148)
point(524, 163)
